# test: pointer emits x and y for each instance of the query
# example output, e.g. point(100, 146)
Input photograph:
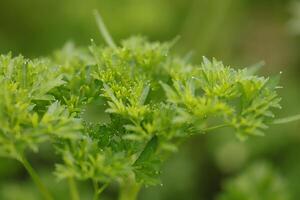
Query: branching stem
point(98, 190)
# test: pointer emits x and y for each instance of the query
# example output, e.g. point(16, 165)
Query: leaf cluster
point(116, 113)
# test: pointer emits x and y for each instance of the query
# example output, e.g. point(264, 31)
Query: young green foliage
point(29, 113)
point(150, 101)
point(115, 113)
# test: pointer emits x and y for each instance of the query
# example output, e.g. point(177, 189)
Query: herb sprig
point(114, 114)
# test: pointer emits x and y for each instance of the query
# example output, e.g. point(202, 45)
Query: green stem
point(98, 190)
point(287, 119)
point(214, 127)
point(35, 177)
point(96, 194)
point(73, 189)
point(204, 130)
point(129, 190)
point(103, 30)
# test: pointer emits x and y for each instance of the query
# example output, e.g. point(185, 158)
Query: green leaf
point(148, 151)
point(144, 94)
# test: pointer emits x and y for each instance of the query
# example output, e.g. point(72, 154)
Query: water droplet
point(280, 72)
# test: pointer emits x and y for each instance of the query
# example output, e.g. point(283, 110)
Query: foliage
point(114, 114)
point(29, 114)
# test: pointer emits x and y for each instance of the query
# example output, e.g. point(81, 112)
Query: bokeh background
point(240, 32)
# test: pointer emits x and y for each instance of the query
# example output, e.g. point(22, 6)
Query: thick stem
point(73, 189)
point(35, 177)
point(129, 190)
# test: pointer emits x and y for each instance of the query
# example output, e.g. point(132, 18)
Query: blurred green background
point(239, 32)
